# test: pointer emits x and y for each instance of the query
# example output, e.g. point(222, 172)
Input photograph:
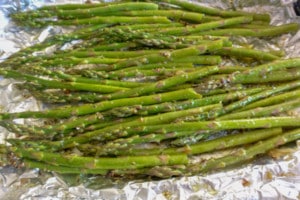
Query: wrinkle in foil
point(264, 179)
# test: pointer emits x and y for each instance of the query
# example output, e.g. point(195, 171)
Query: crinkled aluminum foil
point(264, 179)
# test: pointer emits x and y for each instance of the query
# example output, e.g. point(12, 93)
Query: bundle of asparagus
point(144, 91)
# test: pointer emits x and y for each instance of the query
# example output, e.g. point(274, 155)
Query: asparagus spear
point(168, 55)
point(164, 84)
point(91, 119)
point(266, 32)
point(273, 76)
point(281, 97)
point(107, 20)
point(261, 95)
point(23, 130)
point(204, 27)
point(192, 138)
point(247, 153)
point(165, 107)
point(223, 159)
point(246, 53)
point(62, 169)
point(270, 122)
point(272, 66)
point(239, 156)
point(79, 79)
point(74, 6)
point(263, 111)
point(212, 145)
point(201, 60)
point(107, 54)
point(193, 168)
point(168, 65)
point(128, 162)
point(258, 71)
point(106, 133)
point(84, 12)
point(173, 14)
point(172, 106)
point(214, 11)
point(111, 146)
point(117, 147)
point(58, 84)
point(84, 109)
point(62, 97)
point(106, 10)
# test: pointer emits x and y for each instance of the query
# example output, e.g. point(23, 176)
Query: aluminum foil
point(264, 179)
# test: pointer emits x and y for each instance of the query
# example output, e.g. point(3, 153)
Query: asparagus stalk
point(263, 111)
point(111, 146)
point(201, 60)
point(270, 122)
point(105, 133)
point(117, 147)
point(205, 27)
point(158, 73)
point(273, 76)
point(214, 11)
point(213, 145)
point(239, 156)
point(108, 123)
point(108, 20)
point(169, 65)
point(162, 118)
point(79, 79)
point(73, 61)
point(282, 97)
point(86, 12)
point(246, 53)
point(261, 95)
point(84, 109)
point(259, 71)
point(173, 14)
point(23, 130)
point(168, 55)
point(107, 54)
point(164, 84)
point(227, 159)
point(57, 40)
point(78, 123)
point(192, 138)
point(62, 97)
point(266, 32)
point(149, 161)
point(272, 66)
point(105, 163)
point(71, 6)
point(173, 106)
point(62, 169)
point(58, 84)
point(116, 46)
point(106, 10)
point(78, 6)
point(247, 153)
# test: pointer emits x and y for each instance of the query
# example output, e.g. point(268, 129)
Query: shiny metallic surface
point(265, 178)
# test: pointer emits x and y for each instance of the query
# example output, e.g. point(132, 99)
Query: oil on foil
point(264, 179)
